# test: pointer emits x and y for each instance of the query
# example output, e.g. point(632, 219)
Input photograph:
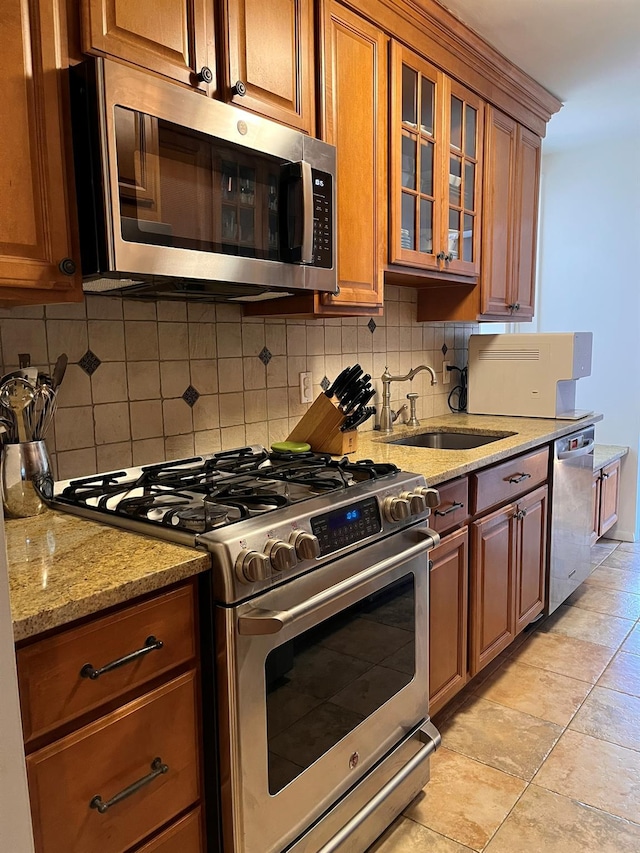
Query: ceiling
point(586, 52)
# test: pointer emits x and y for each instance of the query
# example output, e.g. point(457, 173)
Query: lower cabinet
point(449, 596)
point(111, 718)
point(508, 562)
point(606, 484)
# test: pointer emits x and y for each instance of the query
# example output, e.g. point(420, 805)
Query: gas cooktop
point(204, 493)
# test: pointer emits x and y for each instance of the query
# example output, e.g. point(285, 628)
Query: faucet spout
point(387, 417)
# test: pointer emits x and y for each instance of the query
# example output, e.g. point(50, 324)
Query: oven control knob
point(281, 554)
point(396, 509)
point(432, 496)
point(306, 545)
point(252, 566)
point(417, 503)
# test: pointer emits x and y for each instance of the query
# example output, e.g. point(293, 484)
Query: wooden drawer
point(53, 692)
point(508, 480)
point(454, 506)
point(104, 758)
point(184, 836)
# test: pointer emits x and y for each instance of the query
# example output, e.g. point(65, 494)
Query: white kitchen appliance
point(531, 375)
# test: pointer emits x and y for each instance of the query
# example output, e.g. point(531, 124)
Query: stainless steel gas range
point(319, 612)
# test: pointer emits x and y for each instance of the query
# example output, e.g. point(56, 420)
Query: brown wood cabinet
point(174, 38)
point(508, 563)
point(269, 59)
point(435, 168)
point(606, 488)
point(94, 735)
point(448, 615)
point(509, 227)
point(39, 261)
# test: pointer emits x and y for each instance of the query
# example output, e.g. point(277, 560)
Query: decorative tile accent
point(445, 348)
point(324, 384)
point(191, 396)
point(89, 362)
point(265, 356)
point(372, 325)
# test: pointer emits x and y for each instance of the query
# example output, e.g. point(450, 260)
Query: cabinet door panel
point(531, 557)
point(497, 248)
point(169, 37)
point(492, 578)
point(448, 613)
point(609, 496)
point(355, 121)
point(271, 52)
point(34, 214)
point(526, 217)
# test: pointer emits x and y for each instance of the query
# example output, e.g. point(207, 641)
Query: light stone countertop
point(605, 454)
point(62, 567)
point(438, 466)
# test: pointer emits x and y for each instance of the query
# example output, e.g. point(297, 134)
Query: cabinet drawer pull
point(454, 506)
point(150, 644)
point(604, 476)
point(519, 478)
point(157, 769)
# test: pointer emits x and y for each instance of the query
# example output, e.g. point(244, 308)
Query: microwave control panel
point(322, 219)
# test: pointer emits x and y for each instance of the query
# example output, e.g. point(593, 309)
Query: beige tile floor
point(541, 752)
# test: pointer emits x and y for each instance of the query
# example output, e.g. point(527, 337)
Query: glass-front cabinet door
point(417, 137)
point(436, 148)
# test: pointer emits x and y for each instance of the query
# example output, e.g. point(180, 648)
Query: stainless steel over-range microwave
point(181, 195)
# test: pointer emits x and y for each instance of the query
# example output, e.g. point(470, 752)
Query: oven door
point(318, 680)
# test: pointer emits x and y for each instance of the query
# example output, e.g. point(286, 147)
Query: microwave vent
point(509, 355)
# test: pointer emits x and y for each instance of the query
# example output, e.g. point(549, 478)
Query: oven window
point(325, 682)
point(188, 190)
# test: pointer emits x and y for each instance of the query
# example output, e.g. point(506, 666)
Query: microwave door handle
point(260, 622)
point(307, 207)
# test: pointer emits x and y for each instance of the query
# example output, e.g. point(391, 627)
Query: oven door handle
point(431, 738)
point(258, 622)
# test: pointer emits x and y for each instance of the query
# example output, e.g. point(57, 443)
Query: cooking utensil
point(337, 382)
point(358, 418)
point(17, 394)
point(354, 392)
point(59, 370)
point(26, 479)
point(361, 400)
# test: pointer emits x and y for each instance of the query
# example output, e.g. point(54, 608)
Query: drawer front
point(103, 759)
point(52, 689)
point(508, 480)
point(184, 836)
point(454, 506)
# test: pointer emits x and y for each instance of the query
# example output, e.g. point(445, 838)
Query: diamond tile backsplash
point(151, 381)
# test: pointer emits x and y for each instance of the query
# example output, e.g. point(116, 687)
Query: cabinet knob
point(239, 88)
point(67, 266)
point(441, 256)
point(205, 75)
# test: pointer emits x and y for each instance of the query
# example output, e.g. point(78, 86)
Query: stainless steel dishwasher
point(571, 514)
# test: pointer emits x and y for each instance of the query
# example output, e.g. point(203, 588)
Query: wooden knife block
point(320, 427)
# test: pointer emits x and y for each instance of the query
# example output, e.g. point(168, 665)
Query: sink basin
point(451, 440)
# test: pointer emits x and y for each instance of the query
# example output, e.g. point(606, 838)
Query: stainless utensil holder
point(26, 479)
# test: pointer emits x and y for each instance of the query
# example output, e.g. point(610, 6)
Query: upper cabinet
point(269, 59)
point(171, 37)
point(435, 168)
point(38, 257)
point(261, 58)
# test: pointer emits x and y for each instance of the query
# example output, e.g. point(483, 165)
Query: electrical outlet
point(306, 387)
point(446, 374)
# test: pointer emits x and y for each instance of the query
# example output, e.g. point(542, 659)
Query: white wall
point(589, 280)
point(15, 820)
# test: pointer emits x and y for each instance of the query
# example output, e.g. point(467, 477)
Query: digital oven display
point(336, 530)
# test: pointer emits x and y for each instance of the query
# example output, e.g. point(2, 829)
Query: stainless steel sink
point(451, 440)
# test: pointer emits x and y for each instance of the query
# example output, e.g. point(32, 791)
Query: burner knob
point(432, 496)
point(396, 509)
point(417, 503)
point(306, 545)
point(281, 554)
point(252, 566)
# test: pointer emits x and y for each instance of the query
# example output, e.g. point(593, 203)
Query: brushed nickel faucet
point(387, 416)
